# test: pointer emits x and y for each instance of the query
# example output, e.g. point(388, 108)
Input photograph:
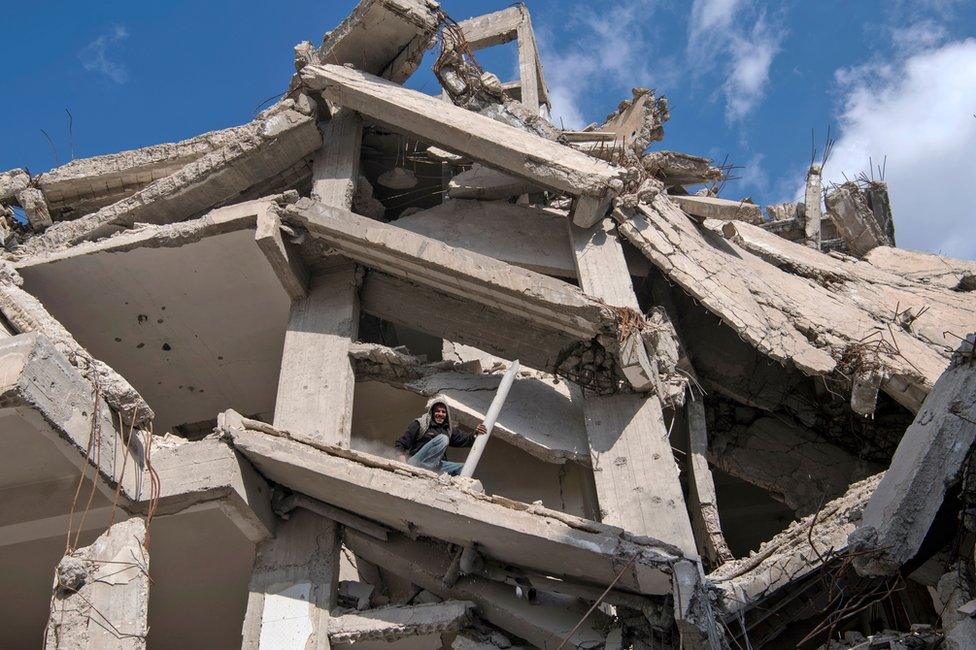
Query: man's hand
point(402, 457)
point(480, 430)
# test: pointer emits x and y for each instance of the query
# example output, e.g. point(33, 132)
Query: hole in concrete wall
point(749, 515)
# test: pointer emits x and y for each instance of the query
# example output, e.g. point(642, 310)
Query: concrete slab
point(415, 501)
point(165, 306)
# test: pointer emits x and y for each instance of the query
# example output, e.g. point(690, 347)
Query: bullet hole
point(118, 340)
point(142, 318)
point(159, 320)
point(163, 308)
point(166, 347)
point(140, 346)
point(191, 389)
point(220, 358)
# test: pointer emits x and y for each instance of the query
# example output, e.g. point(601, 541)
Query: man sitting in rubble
point(428, 437)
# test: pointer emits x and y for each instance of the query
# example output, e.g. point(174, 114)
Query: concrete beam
point(530, 70)
point(398, 622)
point(509, 336)
point(496, 28)
point(929, 459)
point(284, 257)
point(507, 148)
point(548, 302)
point(316, 382)
point(812, 212)
point(530, 237)
point(293, 585)
point(268, 146)
point(710, 207)
point(412, 500)
point(101, 593)
point(383, 37)
point(425, 563)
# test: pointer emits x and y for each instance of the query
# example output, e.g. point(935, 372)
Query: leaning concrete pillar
point(293, 585)
point(635, 474)
point(701, 489)
point(315, 387)
point(811, 228)
point(101, 593)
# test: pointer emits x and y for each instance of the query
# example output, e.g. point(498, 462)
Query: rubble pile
point(731, 426)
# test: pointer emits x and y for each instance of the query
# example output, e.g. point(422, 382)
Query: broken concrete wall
point(101, 593)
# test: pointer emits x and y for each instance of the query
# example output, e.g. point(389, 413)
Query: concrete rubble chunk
point(710, 207)
point(269, 146)
point(416, 501)
point(929, 459)
point(398, 622)
point(676, 168)
point(486, 184)
point(848, 208)
point(35, 207)
point(636, 123)
point(101, 593)
point(924, 268)
point(12, 182)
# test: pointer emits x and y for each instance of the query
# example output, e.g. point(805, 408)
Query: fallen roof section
point(87, 184)
point(775, 307)
point(265, 148)
point(416, 501)
point(925, 268)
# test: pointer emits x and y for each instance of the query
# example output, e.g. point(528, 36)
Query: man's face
point(440, 414)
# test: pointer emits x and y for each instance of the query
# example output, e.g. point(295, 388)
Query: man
point(428, 437)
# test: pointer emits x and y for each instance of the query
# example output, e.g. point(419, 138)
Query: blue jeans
point(431, 456)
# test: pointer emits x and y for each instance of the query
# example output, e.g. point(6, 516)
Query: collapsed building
point(733, 428)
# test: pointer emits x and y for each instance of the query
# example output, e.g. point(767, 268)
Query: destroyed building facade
point(733, 426)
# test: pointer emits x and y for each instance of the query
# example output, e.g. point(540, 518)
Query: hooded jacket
point(423, 429)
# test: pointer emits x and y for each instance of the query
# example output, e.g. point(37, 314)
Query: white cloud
point(94, 56)
point(718, 41)
point(610, 49)
point(918, 115)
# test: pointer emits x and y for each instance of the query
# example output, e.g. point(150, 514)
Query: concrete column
point(636, 477)
point(811, 228)
point(293, 585)
point(335, 168)
point(101, 593)
point(528, 64)
point(703, 503)
point(315, 387)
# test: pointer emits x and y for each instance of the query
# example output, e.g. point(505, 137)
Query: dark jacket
point(423, 429)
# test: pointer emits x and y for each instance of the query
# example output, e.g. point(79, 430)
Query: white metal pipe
point(496, 406)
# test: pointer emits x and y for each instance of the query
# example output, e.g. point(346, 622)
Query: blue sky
point(747, 79)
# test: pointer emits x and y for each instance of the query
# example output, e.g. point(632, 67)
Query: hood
point(427, 418)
